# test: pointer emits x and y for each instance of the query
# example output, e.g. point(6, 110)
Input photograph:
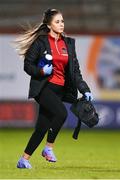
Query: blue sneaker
point(48, 154)
point(23, 163)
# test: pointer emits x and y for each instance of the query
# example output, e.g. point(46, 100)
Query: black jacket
point(73, 77)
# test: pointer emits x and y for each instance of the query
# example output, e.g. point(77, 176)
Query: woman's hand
point(88, 96)
point(47, 69)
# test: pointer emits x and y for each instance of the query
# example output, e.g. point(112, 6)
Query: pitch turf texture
point(95, 155)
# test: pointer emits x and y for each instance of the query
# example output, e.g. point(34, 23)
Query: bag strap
point(77, 129)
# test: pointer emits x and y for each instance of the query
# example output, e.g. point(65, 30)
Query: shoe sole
point(47, 158)
point(23, 167)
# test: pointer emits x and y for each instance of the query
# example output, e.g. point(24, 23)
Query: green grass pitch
point(95, 155)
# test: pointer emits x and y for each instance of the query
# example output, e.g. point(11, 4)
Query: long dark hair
point(24, 41)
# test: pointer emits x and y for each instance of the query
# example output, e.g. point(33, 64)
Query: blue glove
point(47, 69)
point(88, 96)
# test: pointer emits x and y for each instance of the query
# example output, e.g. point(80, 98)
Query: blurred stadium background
point(95, 26)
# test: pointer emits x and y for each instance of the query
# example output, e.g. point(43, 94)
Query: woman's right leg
point(42, 125)
point(41, 128)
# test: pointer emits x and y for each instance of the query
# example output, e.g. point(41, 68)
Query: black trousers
point(51, 117)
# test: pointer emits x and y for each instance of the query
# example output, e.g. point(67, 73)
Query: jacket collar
point(44, 39)
point(68, 45)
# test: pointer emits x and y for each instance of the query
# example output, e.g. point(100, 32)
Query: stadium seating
point(80, 15)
